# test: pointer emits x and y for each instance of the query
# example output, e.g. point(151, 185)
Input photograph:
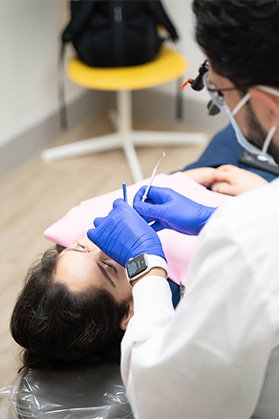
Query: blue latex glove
point(169, 209)
point(123, 234)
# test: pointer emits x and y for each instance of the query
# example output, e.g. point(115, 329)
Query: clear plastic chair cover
point(88, 393)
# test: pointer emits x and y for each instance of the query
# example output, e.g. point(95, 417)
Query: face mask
point(242, 140)
point(218, 100)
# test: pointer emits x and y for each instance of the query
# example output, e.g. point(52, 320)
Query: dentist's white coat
point(217, 355)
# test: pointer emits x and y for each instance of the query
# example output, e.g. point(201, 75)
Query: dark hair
point(241, 39)
point(58, 327)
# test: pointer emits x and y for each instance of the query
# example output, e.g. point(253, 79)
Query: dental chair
point(85, 393)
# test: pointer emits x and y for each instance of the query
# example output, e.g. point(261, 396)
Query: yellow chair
point(168, 65)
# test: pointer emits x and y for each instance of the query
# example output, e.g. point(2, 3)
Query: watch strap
point(152, 261)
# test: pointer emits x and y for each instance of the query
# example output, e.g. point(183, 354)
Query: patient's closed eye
point(80, 246)
point(110, 265)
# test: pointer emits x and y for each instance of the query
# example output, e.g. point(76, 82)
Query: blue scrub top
point(224, 149)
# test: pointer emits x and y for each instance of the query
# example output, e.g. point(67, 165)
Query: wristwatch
point(140, 265)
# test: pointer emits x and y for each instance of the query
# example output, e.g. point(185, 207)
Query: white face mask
point(241, 137)
point(219, 102)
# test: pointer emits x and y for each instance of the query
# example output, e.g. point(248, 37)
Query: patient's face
point(84, 264)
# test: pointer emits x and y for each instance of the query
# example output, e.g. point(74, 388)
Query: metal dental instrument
point(152, 177)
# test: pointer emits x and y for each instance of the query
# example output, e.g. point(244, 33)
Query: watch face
point(136, 266)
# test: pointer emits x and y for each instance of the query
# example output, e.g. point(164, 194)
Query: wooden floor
point(37, 194)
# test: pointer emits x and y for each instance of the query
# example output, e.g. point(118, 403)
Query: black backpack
point(113, 33)
point(117, 33)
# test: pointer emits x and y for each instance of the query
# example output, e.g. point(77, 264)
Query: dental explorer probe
point(152, 177)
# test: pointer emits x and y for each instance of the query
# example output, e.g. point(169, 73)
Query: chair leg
point(133, 161)
point(113, 117)
point(80, 148)
point(172, 138)
point(124, 111)
point(124, 138)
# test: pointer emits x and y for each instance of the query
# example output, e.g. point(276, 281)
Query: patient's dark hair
point(241, 39)
point(58, 327)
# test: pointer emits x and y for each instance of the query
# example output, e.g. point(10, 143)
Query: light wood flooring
point(36, 194)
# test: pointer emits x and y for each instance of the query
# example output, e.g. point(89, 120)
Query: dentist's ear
point(125, 320)
point(269, 113)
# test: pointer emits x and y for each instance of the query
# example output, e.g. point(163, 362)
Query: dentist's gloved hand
point(169, 209)
point(123, 234)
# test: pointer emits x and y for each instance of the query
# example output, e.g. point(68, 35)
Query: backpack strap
point(179, 100)
point(81, 11)
point(61, 89)
point(158, 11)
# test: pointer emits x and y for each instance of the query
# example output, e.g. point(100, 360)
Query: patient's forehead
point(87, 243)
point(84, 265)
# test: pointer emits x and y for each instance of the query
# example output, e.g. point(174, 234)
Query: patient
point(219, 168)
point(226, 179)
point(75, 305)
point(73, 309)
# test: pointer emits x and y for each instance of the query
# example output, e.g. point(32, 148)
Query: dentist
point(217, 354)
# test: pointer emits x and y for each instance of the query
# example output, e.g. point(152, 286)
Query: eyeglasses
point(217, 102)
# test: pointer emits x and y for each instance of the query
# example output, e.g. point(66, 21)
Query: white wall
point(180, 11)
point(29, 32)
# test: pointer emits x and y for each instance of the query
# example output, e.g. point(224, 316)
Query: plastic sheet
point(95, 392)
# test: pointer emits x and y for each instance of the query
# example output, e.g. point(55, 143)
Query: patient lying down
point(75, 305)
point(73, 309)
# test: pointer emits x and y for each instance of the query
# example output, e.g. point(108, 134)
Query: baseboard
point(34, 140)
point(147, 104)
